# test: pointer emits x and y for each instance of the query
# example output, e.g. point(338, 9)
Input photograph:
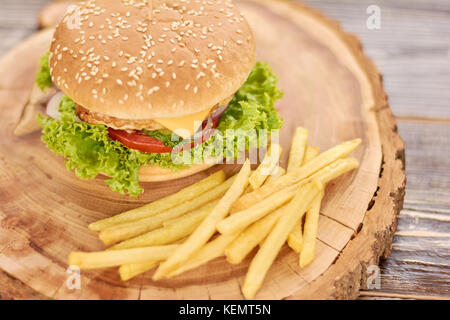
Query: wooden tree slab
point(330, 87)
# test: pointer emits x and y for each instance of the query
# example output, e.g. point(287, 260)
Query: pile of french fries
point(215, 217)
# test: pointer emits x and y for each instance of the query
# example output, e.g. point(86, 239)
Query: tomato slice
point(140, 141)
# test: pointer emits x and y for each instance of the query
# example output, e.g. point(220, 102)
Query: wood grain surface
point(412, 51)
point(42, 225)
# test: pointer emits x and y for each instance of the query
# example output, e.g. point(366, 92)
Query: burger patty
point(116, 123)
point(125, 124)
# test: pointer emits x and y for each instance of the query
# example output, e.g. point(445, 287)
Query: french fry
point(310, 153)
point(298, 147)
point(321, 161)
point(112, 258)
point(251, 237)
point(242, 219)
point(208, 252)
point(131, 270)
point(214, 248)
point(337, 168)
point(276, 173)
point(266, 167)
point(277, 237)
point(132, 229)
point(174, 230)
point(208, 226)
point(334, 170)
point(310, 232)
point(163, 204)
point(191, 215)
point(295, 239)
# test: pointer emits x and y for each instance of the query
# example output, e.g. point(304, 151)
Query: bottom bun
point(157, 174)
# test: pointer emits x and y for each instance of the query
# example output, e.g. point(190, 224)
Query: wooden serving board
point(330, 87)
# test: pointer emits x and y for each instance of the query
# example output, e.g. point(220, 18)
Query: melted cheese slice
point(185, 126)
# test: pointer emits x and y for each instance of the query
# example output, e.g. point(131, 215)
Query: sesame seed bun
point(142, 59)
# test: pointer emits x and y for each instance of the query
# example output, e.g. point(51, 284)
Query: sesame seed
point(119, 82)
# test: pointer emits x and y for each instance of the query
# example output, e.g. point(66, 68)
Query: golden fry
point(310, 153)
point(297, 175)
point(174, 230)
point(132, 229)
point(208, 252)
point(334, 170)
point(276, 173)
point(298, 147)
point(131, 270)
point(295, 239)
point(242, 219)
point(251, 237)
point(277, 237)
point(112, 258)
point(163, 204)
point(310, 233)
point(266, 167)
point(208, 226)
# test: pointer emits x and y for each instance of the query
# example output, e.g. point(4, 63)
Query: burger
point(142, 82)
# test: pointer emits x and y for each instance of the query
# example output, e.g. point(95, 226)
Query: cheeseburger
point(140, 82)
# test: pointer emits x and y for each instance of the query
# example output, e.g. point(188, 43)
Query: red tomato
point(140, 141)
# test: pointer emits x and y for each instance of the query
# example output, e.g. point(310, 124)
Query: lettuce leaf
point(89, 150)
point(253, 107)
point(43, 78)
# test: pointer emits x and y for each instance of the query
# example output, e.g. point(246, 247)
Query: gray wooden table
point(412, 49)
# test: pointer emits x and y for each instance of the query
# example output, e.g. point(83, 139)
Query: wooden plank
point(411, 49)
point(418, 265)
point(329, 230)
point(427, 164)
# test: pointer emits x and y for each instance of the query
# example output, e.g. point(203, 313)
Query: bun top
point(147, 59)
